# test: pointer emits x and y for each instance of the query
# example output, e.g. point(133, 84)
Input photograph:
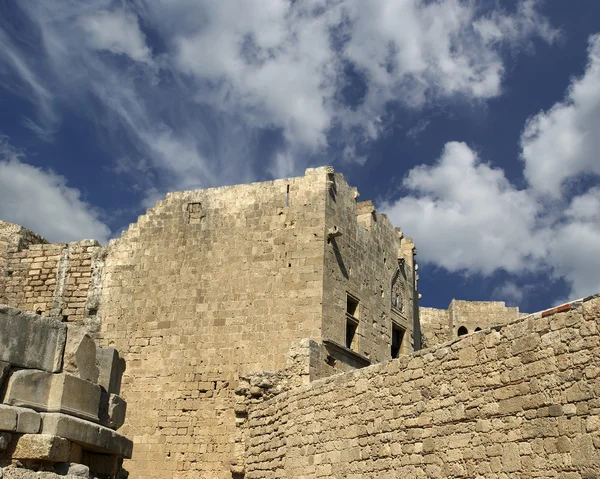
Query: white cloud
point(41, 201)
point(466, 216)
point(219, 73)
point(564, 141)
point(117, 32)
point(31, 87)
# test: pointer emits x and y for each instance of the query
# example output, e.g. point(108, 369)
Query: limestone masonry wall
point(208, 286)
point(518, 400)
point(362, 262)
point(50, 279)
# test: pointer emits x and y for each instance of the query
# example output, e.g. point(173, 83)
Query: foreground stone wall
point(59, 399)
point(518, 400)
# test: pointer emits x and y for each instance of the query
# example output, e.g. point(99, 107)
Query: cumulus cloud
point(564, 141)
point(219, 76)
point(43, 202)
point(466, 216)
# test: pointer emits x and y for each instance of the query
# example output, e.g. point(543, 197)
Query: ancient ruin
point(273, 330)
point(60, 400)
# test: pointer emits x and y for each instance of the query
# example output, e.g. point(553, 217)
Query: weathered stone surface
point(497, 404)
point(31, 341)
point(41, 447)
point(91, 436)
point(80, 354)
point(47, 392)
point(112, 410)
point(8, 418)
point(28, 421)
point(111, 368)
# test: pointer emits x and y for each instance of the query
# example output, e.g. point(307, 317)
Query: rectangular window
point(352, 306)
point(351, 321)
point(397, 339)
point(351, 327)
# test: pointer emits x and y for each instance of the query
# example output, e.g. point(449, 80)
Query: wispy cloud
point(197, 86)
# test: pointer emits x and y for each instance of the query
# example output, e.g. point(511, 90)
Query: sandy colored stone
point(41, 447)
point(30, 341)
point(80, 354)
point(42, 391)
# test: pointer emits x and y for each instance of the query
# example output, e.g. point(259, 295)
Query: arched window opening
point(462, 331)
point(477, 329)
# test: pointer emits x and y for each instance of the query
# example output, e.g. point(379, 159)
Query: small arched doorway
point(462, 331)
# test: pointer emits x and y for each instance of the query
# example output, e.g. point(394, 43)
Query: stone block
point(46, 392)
point(31, 341)
point(89, 435)
point(43, 447)
point(117, 408)
point(28, 421)
point(80, 354)
point(8, 418)
point(111, 368)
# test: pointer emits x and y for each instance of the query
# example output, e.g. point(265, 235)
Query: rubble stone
point(80, 354)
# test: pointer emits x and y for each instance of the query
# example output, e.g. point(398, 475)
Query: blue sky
point(475, 125)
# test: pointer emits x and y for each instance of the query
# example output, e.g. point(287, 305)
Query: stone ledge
point(90, 436)
point(42, 391)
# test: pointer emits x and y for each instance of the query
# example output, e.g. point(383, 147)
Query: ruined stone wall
point(463, 317)
point(436, 327)
point(519, 400)
point(479, 314)
point(53, 279)
point(13, 238)
point(362, 261)
point(59, 400)
point(207, 286)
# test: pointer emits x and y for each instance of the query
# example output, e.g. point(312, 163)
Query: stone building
point(212, 285)
point(272, 330)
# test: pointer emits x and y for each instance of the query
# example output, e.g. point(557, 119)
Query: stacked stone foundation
point(60, 405)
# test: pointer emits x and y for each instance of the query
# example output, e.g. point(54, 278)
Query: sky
point(474, 125)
